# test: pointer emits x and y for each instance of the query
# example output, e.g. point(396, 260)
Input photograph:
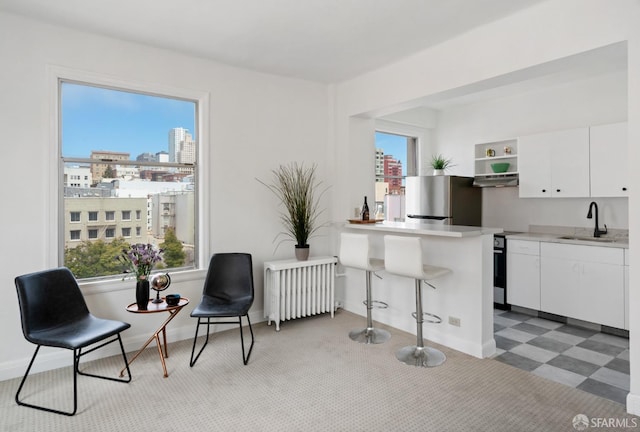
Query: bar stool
point(403, 257)
point(355, 251)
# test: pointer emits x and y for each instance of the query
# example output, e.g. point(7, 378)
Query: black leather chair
point(228, 292)
point(55, 314)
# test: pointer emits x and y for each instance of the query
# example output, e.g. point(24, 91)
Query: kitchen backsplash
point(622, 234)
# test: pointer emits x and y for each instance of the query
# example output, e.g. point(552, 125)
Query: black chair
point(228, 292)
point(55, 314)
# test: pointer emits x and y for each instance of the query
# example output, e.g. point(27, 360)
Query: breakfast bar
point(463, 298)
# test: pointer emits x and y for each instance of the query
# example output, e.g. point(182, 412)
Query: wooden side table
point(155, 308)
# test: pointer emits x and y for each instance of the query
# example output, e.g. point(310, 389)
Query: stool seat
point(355, 252)
point(403, 257)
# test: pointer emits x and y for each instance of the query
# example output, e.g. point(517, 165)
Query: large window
point(139, 154)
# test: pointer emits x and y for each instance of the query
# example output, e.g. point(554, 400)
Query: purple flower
point(140, 259)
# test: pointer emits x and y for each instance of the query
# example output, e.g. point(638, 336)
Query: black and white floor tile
point(579, 357)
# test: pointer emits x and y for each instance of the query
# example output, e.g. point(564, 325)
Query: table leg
point(164, 365)
point(166, 350)
point(156, 336)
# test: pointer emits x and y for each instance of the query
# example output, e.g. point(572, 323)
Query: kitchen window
point(396, 156)
point(122, 136)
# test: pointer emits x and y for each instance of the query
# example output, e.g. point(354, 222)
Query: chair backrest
point(230, 276)
point(355, 250)
point(49, 298)
point(403, 256)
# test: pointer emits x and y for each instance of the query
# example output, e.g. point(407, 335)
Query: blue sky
point(101, 119)
point(395, 145)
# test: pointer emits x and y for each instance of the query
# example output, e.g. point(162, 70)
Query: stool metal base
point(370, 335)
point(420, 356)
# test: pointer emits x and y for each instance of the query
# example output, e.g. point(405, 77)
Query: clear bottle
point(365, 210)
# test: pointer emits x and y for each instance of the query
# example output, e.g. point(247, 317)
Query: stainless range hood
point(504, 180)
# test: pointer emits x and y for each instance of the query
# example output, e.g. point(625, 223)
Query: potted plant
point(440, 164)
point(139, 260)
point(298, 190)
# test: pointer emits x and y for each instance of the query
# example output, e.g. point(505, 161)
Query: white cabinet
point(523, 273)
point(554, 164)
point(609, 156)
point(583, 282)
point(626, 289)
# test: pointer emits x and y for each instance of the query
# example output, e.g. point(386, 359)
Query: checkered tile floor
point(582, 358)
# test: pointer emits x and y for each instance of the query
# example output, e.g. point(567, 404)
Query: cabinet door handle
point(624, 188)
point(544, 190)
point(557, 190)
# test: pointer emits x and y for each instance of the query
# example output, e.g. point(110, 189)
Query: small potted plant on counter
point(440, 164)
point(298, 190)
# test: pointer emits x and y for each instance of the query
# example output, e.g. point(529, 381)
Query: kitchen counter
point(604, 241)
point(463, 298)
point(423, 228)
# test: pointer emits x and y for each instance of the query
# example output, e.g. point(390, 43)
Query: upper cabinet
point(554, 164)
point(609, 156)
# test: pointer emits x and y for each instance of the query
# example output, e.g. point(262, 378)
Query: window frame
point(55, 200)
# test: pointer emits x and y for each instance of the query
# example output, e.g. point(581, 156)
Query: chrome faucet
point(596, 230)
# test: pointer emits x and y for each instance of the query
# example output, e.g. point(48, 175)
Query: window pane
point(395, 159)
point(126, 152)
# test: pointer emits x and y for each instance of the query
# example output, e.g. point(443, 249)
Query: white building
point(77, 176)
point(176, 136)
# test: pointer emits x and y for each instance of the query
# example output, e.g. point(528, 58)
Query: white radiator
point(295, 289)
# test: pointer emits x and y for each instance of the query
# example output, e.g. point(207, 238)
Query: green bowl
point(500, 167)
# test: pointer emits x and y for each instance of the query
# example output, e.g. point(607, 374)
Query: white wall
point(543, 33)
point(256, 122)
point(597, 100)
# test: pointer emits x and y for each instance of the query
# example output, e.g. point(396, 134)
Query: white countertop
point(615, 242)
point(423, 228)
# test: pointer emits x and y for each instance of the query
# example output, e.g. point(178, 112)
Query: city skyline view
point(97, 118)
point(394, 145)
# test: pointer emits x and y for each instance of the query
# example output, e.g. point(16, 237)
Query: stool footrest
point(376, 304)
point(435, 319)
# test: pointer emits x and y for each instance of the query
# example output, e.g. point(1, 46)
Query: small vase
point(302, 252)
point(438, 172)
point(142, 294)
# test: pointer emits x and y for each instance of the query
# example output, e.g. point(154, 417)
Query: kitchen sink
point(592, 239)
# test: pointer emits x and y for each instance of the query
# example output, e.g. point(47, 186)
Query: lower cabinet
point(626, 289)
point(523, 273)
point(583, 282)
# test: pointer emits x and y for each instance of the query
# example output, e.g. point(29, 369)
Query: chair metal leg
point(245, 359)
point(195, 338)
point(369, 335)
point(76, 371)
point(419, 355)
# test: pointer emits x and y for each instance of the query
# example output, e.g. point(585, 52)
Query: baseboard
point(633, 404)
point(55, 358)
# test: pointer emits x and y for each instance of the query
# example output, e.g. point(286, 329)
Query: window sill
point(117, 284)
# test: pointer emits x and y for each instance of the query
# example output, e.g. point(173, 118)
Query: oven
point(500, 272)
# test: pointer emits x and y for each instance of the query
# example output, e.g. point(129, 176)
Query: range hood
point(497, 180)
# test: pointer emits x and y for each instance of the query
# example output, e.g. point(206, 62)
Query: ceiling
point(319, 40)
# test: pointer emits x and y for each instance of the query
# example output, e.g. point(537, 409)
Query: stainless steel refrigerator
point(450, 200)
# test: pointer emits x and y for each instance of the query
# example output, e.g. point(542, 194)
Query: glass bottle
point(365, 210)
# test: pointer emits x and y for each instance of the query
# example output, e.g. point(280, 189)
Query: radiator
point(295, 289)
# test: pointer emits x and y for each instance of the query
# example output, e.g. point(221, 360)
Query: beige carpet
point(309, 376)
